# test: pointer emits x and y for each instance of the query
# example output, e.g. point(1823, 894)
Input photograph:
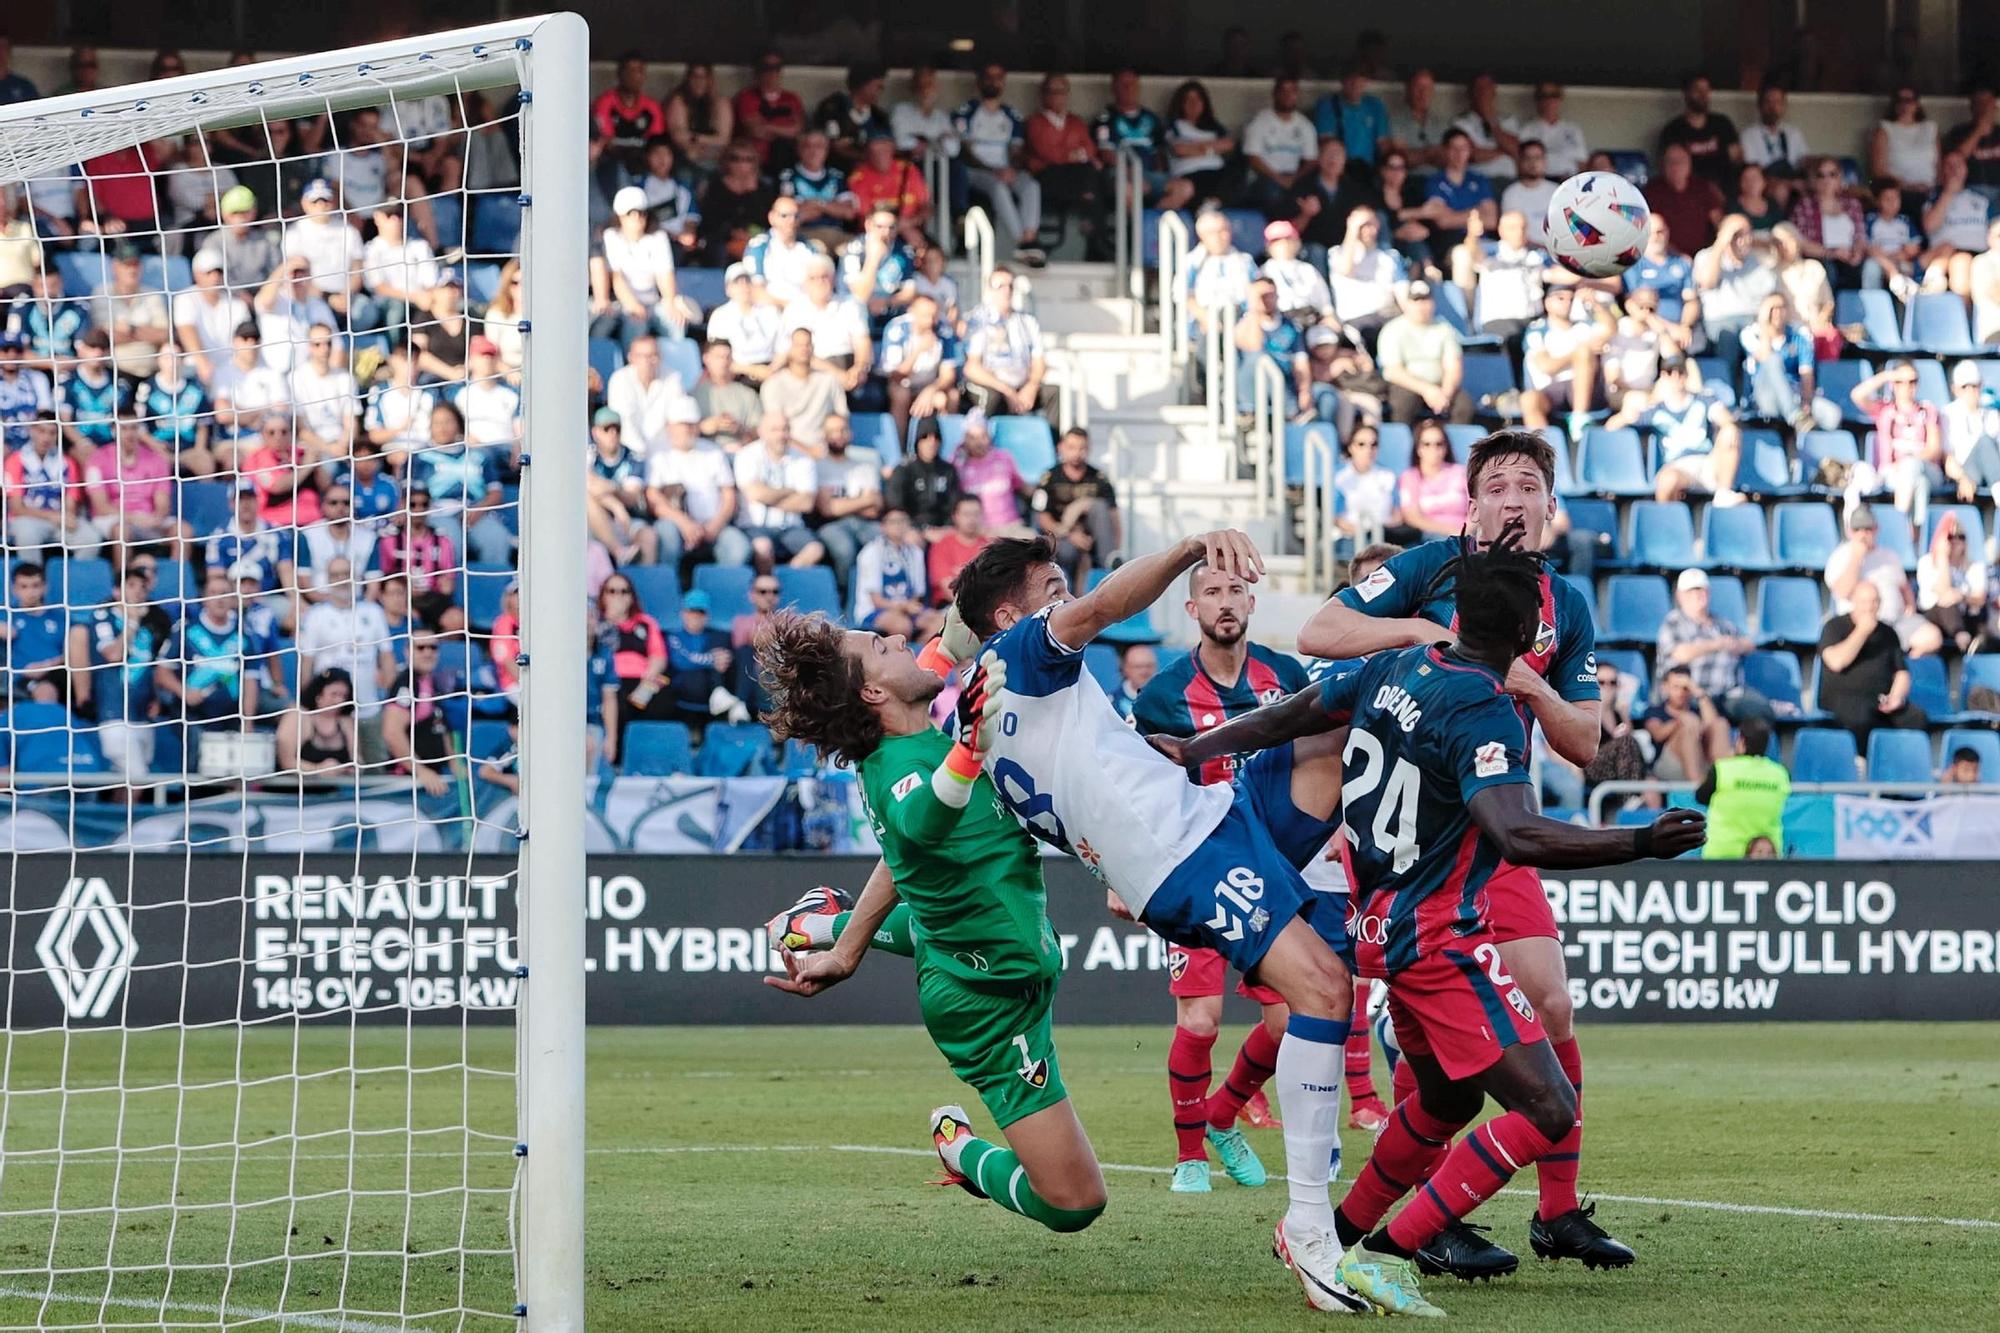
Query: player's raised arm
point(1259, 729)
point(1507, 816)
point(1383, 611)
point(1137, 584)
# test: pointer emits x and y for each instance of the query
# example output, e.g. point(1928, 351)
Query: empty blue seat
point(1663, 535)
point(1817, 446)
point(703, 286)
point(205, 506)
point(1932, 387)
point(1938, 323)
point(728, 586)
point(1893, 534)
point(1836, 381)
point(482, 281)
point(951, 429)
point(659, 593)
point(1101, 661)
point(1135, 628)
point(657, 750)
point(1875, 311)
point(877, 431)
point(1614, 463)
point(80, 582)
point(1899, 756)
point(1587, 513)
point(1981, 670)
point(1766, 469)
point(496, 225)
point(1985, 743)
point(1735, 538)
point(1030, 439)
point(1565, 474)
point(1297, 434)
point(1487, 375)
point(1634, 606)
point(1717, 374)
point(1726, 601)
point(38, 738)
point(606, 357)
point(734, 750)
point(448, 216)
point(809, 589)
point(1930, 689)
point(1807, 534)
point(800, 759)
point(1462, 438)
point(1789, 611)
point(482, 590)
point(1631, 163)
point(1246, 229)
point(1776, 676)
point(1397, 445)
point(486, 737)
point(1452, 310)
point(1824, 754)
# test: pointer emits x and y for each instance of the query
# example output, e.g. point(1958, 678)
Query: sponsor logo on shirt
point(907, 785)
point(1375, 585)
point(1490, 760)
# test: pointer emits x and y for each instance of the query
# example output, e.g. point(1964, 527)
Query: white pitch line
point(340, 1323)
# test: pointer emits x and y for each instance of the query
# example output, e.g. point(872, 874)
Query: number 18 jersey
point(1428, 730)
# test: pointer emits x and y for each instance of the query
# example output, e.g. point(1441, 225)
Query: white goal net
point(293, 414)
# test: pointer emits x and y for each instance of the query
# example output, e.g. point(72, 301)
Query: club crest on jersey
point(1375, 584)
point(1177, 962)
point(1490, 760)
point(1545, 638)
point(1519, 1004)
point(1270, 696)
point(907, 785)
point(1035, 1073)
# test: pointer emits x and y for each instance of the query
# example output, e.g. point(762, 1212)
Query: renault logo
point(87, 990)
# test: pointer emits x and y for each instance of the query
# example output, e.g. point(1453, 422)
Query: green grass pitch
point(774, 1178)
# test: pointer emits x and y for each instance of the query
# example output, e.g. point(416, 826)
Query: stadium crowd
point(260, 392)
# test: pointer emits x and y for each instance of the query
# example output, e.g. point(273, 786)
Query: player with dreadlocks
point(1412, 600)
point(1436, 801)
point(977, 911)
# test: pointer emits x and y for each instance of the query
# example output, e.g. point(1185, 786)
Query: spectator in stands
point(1218, 274)
point(1859, 562)
point(1690, 204)
point(1904, 146)
point(827, 208)
point(328, 402)
point(25, 394)
point(1417, 126)
point(1563, 146)
point(951, 552)
point(464, 484)
point(850, 498)
point(1963, 770)
point(44, 491)
point(1277, 144)
point(1708, 137)
point(247, 248)
point(699, 119)
point(1423, 360)
point(734, 204)
point(1977, 138)
point(207, 316)
point(1324, 198)
point(111, 652)
point(1507, 285)
point(995, 147)
point(1830, 225)
point(91, 396)
point(1067, 161)
point(135, 318)
point(781, 257)
point(1263, 333)
point(1354, 118)
point(253, 541)
point(1300, 287)
point(1983, 286)
point(1951, 585)
point(805, 391)
point(1687, 730)
point(1710, 647)
point(1561, 359)
point(779, 486)
point(1753, 199)
point(1864, 679)
point(1955, 219)
point(1454, 194)
point(1699, 443)
point(1198, 150)
point(922, 127)
point(670, 206)
point(1909, 434)
point(1774, 143)
point(202, 676)
point(415, 734)
point(348, 634)
point(131, 491)
point(1971, 434)
point(1137, 665)
point(1345, 383)
point(698, 664)
point(1431, 492)
point(877, 269)
point(1366, 279)
point(625, 114)
point(319, 735)
point(51, 321)
point(919, 366)
point(748, 325)
point(768, 114)
point(393, 596)
point(330, 245)
point(854, 114)
point(641, 395)
point(36, 638)
point(729, 408)
point(14, 87)
point(618, 513)
point(924, 485)
point(374, 491)
point(884, 180)
point(1745, 793)
point(890, 586)
point(336, 536)
point(691, 493)
point(1128, 125)
point(398, 419)
point(1005, 368)
point(1494, 145)
point(1366, 491)
point(839, 328)
point(1076, 507)
point(490, 405)
point(1895, 247)
point(992, 475)
point(633, 291)
point(1530, 192)
point(1780, 372)
point(179, 414)
point(1733, 276)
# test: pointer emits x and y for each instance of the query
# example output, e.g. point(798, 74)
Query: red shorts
point(1516, 908)
point(1194, 972)
point(1461, 1007)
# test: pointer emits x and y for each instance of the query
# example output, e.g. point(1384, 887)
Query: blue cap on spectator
point(697, 601)
point(317, 189)
point(11, 340)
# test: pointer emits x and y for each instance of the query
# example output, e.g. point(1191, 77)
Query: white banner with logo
point(1938, 827)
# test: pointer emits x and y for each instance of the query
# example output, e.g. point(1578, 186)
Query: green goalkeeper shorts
point(1001, 1044)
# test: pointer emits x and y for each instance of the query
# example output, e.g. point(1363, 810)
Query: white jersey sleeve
point(1077, 776)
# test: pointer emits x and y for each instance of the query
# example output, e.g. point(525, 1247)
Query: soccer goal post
point(294, 962)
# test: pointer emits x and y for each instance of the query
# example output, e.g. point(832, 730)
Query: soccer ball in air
point(1597, 224)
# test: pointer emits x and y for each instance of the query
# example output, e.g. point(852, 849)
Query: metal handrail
point(1267, 438)
point(1118, 453)
point(1172, 280)
point(937, 176)
point(1128, 221)
point(1319, 528)
point(1072, 392)
point(1649, 786)
point(979, 244)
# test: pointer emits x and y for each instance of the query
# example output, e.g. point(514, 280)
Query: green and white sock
point(897, 934)
point(999, 1173)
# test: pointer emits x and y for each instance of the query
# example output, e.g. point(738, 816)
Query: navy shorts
point(1265, 781)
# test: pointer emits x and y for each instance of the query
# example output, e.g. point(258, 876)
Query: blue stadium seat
point(1296, 435)
point(1634, 606)
point(482, 589)
point(38, 738)
point(1452, 310)
point(1899, 756)
point(1930, 689)
point(205, 506)
point(1817, 446)
point(496, 224)
point(682, 357)
point(176, 583)
point(1726, 600)
point(486, 737)
point(1932, 386)
point(1979, 670)
point(1718, 378)
point(1936, 322)
point(800, 759)
point(1989, 375)
point(1662, 535)
point(82, 272)
point(1836, 381)
point(1246, 229)
point(1893, 534)
point(1398, 445)
point(734, 750)
point(482, 280)
point(1776, 676)
point(659, 591)
point(1986, 743)
point(1586, 589)
point(1735, 538)
point(1136, 628)
point(877, 431)
point(1631, 663)
point(1565, 474)
point(1875, 311)
point(1031, 440)
point(951, 429)
point(1806, 534)
point(1969, 522)
point(1487, 376)
point(1101, 661)
point(1613, 463)
point(606, 358)
point(703, 286)
point(809, 589)
point(448, 215)
point(80, 583)
point(170, 274)
point(1766, 469)
point(1824, 754)
point(728, 586)
point(1587, 513)
point(1789, 611)
point(1461, 439)
point(657, 750)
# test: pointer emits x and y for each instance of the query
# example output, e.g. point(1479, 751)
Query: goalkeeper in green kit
point(973, 909)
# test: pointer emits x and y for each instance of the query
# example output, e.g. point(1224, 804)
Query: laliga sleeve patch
point(1490, 760)
point(1375, 584)
point(907, 785)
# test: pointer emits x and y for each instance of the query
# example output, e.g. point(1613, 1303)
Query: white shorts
point(128, 749)
point(1699, 469)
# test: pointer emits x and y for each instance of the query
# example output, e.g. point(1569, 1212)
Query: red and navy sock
point(1403, 1083)
point(1189, 1069)
point(1557, 1168)
point(1256, 1061)
point(1470, 1174)
point(1360, 1052)
point(1406, 1151)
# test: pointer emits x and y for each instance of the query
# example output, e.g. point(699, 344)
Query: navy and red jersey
point(633, 645)
point(1184, 700)
point(1427, 730)
point(1565, 650)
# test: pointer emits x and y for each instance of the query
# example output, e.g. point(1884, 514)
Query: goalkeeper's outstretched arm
point(809, 975)
point(1137, 584)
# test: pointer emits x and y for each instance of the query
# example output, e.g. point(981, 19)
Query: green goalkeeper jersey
point(972, 877)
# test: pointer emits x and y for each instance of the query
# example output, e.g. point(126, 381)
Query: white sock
point(1308, 1079)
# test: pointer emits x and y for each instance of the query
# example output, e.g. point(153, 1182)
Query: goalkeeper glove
point(972, 731)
